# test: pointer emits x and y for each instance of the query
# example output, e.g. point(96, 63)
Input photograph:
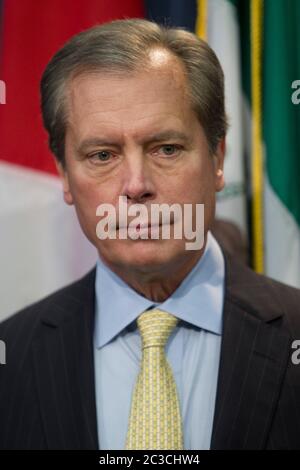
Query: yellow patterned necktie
point(155, 420)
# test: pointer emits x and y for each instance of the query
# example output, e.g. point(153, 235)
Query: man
point(159, 346)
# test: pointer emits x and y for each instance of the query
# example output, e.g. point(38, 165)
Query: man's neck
point(160, 283)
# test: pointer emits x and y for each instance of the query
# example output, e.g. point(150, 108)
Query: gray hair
point(124, 45)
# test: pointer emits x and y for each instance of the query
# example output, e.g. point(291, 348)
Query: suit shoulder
point(262, 295)
point(26, 319)
point(288, 298)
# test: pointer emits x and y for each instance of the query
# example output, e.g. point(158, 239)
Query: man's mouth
point(139, 226)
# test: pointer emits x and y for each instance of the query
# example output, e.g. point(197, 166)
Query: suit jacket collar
point(64, 350)
point(254, 356)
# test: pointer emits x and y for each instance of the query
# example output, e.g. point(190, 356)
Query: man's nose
point(138, 185)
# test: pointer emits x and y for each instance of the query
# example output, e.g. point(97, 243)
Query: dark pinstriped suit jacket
point(47, 396)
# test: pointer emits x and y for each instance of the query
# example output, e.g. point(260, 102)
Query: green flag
point(281, 131)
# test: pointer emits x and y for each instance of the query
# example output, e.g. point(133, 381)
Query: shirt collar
point(198, 300)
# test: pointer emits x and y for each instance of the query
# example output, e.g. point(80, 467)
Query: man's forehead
point(119, 107)
point(134, 104)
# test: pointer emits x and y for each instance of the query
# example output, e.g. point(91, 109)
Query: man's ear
point(68, 198)
point(219, 165)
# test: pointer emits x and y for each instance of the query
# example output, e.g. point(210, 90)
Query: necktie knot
point(155, 327)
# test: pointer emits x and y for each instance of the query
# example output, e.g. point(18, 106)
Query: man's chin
point(142, 254)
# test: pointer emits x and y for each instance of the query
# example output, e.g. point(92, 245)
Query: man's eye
point(103, 156)
point(169, 149)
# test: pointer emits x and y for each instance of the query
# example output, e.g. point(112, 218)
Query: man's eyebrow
point(155, 137)
point(166, 135)
point(94, 142)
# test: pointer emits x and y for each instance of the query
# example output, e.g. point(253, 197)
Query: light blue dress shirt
point(193, 348)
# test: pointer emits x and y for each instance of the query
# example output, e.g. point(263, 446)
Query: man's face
point(137, 136)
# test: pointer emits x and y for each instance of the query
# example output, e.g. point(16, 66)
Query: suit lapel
point(64, 369)
point(254, 355)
